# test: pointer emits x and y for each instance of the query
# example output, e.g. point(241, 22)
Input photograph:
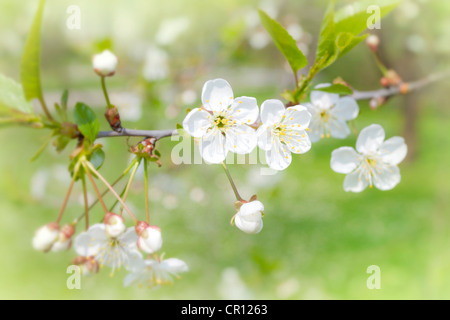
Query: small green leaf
point(353, 18)
point(157, 153)
point(284, 42)
point(97, 158)
point(12, 97)
point(337, 88)
point(64, 99)
point(87, 121)
point(61, 143)
point(326, 47)
point(30, 64)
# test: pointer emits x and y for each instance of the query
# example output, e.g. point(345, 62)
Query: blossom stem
point(66, 199)
point(99, 196)
point(90, 167)
point(105, 92)
point(127, 187)
point(236, 193)
point(86, 205)
point(147, 210)
point(105, 192)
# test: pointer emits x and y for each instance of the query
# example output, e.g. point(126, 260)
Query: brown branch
point(411, 86)
point(156, 134)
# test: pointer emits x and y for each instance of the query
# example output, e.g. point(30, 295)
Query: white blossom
point(330, 114)
point(45, 237)
point(109, 251)
point(374, 162)
point(249, 217)
point(153, 273)
point(114, 225)
point(283, 131)
point(105, 63)
point(222, 125)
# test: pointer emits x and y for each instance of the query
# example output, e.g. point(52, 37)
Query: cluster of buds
point(146, 149)
point(51, 238)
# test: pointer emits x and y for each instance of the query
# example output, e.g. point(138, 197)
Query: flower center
point(324, 116)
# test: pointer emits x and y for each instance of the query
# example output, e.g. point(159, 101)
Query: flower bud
point(249, 217)
point(45, 237)
point(373, 42)
point(88, 265)
point(150, 239)
point(64, 240)
point(114, 225)
point(105, 63)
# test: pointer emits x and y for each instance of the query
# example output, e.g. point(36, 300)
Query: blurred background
point(317, 240)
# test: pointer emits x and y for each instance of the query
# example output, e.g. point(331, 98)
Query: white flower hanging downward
point(105, 63)
point(330, 114)
point(110, 251)
point(374, 162)
point(223, 123)
point(283, 131)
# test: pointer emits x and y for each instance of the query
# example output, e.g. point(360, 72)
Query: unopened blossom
point(223, 124)
point(45, 237)
point(105, 63)
point(149, 239)
point(153, 273)
point(249, 217)
point(374, 162)
point(283, 131)
point(113, 252)
point(330, 114)
point(64, 240)
point(114, 225)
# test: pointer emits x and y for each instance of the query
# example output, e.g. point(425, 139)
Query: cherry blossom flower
point(153, 273)
point(330, 114)
point(283, 131)
point(114, 225)
point(109, 251)
point(223, 124)
point(45, 237)
point(105, 63)
point(374, 162)
point(64, 240)
point(249, 217)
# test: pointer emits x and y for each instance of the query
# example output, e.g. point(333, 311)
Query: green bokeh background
point(317, 240)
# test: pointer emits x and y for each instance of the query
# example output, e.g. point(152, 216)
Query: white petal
point(241, 139)
point(89, 242)
point(370, 139)
point(393, 150)
point(264, 136)
point(316, 128)
point(129, 238)
point(197, 122)
point(213, 146)
point(174, 265)
point(251, 211)
point(344, 160)
point(272, 111)
point(298, 141)
point(130, 279)
point(217, 95)
point(338, 128)
point(248, 226)
point(355, 182)
point(346, 108)
point(297, 116)
point(387, 178)
point(323, 100)
point(279, 157)
point(244, 110)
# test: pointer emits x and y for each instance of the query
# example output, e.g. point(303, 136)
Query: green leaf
point(326, 47)
point(284, 41)
point(97, 158)
point(12, 96)
point(336, 88)
point(64, 99)
point(29, 68)
point(353, 18)
point(157, 153)
point(87, 121)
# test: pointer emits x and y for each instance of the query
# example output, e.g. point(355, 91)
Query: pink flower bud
point(150, 239)
point(114, 225)
point(64, 241)
point(88, 265)
point(373, 42)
